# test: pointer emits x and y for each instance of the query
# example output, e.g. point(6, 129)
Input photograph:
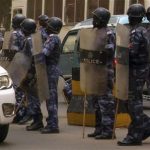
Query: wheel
point(3, 132)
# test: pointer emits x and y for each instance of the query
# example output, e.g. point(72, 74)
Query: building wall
point(73, 11)
point(16, 4)
point(5, 13)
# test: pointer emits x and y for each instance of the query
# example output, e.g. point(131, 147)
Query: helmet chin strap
point(99, 26)
point(148, 18)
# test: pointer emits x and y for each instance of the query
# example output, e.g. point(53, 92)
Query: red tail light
point(115, 61)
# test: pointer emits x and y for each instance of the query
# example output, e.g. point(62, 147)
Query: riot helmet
point(135, 13)
point(42, 20)
point(54, 25)
point(101, 17)
point(28, 26)
point(148, 14)
point(17, 20)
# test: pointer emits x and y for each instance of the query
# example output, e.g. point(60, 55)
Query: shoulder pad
point(140, 29)
point(133, 31)
point(109, 32)
point(29, 38)
point(14, 32)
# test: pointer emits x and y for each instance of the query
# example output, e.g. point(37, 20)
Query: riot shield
point(122, 65)
point(40, 66)
point(93, 58)
point(19, 67)
point(6, 55)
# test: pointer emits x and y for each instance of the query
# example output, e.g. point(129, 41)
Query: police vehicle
point(7, 103)
point(69, 58)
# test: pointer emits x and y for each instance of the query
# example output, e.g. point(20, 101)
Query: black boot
point(95, 133)
point(25, 119)
point(129, 142)
point(35, 126)
point(146, 134)
point(104, 137)
point(48, 130)
point(37, 123)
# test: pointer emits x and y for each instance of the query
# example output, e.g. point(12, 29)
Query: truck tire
point(3, 132)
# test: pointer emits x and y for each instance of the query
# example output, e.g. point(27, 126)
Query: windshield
point(113, 19)
point(124, 20)
point(69, 43)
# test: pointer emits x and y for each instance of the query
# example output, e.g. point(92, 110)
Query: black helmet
point(17, 19)
point(148, 10)
point(43, 18)
point(28, 26)
point(54, 24)
point(148, 14)
point(136, 10)
point(102, 14)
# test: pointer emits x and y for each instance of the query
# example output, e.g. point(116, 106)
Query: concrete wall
point(147, 3)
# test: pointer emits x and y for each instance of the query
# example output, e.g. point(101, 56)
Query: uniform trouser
point(52, 102)
point(148, 81)
point(105, 108)
point(19, 93)
point(98, 116)
point(21, 109)
point(34, 105)
point(139, 121)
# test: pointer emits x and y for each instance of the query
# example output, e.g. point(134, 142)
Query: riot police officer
point(105, 104)
point(2, 32)
point(51, 51)
point(139, 128)
point(17, 37)
point(42, 22)
point(16, 44)
point(28, 27)
point(148, 13)
point(148, 36)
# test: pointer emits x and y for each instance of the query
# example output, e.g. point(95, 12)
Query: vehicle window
point(69, 43)
point(124, 20)
point(113, 20)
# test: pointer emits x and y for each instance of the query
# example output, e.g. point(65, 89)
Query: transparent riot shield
point(19, 67)
point(122, 65)
point(93, 58)
point(40, 66)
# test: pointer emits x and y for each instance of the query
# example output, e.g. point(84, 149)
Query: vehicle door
point(68, 54)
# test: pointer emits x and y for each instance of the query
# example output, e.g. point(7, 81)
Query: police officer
point(17, 37)
point(2, 32)
point(148, 36)
point(28, 27)
point(51, 51)
point(105, 104)
point(139, 128)
point(42, 22)
point(16, 44)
